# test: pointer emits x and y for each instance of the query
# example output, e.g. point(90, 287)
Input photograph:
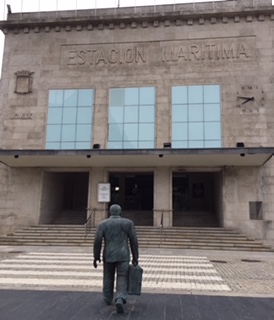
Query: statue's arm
point(97, 245)
point(134, 245)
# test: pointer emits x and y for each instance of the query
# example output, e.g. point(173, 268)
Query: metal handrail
point(162, 222)
point(161, 233)
point(90, 221)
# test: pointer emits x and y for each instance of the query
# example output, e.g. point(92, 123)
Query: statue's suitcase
point(135, 275)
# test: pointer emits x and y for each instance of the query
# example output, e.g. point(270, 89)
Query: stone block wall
point(230, 44)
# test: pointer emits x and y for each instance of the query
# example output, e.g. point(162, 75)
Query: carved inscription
point(152, 53)
point(21, 116)
point(102, 56)
point(208, 51)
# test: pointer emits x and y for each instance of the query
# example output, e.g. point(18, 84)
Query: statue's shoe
point(119, 306)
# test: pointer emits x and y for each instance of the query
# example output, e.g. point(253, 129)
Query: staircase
point(71, 217)
point(148, 237)
point(195, 219)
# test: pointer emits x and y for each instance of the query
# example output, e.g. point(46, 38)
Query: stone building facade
point(166, 110)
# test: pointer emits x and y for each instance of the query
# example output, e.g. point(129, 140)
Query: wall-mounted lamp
point(167, 144)
point(9, 8)
point(96, 146)
point(240, 145)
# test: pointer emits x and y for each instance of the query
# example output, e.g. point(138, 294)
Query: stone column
point(162, 197)
point(97, 175)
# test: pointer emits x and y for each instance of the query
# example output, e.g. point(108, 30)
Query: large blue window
point(196, 117)
point(70, 116)
point(131, 118)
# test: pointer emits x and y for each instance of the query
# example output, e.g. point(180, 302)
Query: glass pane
point(85, 97)
point(195, 94)
point(82, 145)
point(55, 98)
point(116, 114)
point(115, 132)
point(179, 95)
point(196, 112)
point(115, 145)
point(196, 144)
point(117, 97)
point(179, 131)
point(196, 131)
point(53, 145)
point(130, 132)
point(131, 114)
point(212, 94)
point(146, 131)
point(212, 112)
point(213, 144)
point(69, 115)
point(70, 98)
point(212, 131)
point(83, 132)
point(55, 115)
point(180, 144)
point(131, 96)
point(179, 113)
point(67, 145)
point(130, 145)
point(146, 144)
point(53, 133)
point(147, 114)
point(68, 132)
point(84, 115)
point(147, 95)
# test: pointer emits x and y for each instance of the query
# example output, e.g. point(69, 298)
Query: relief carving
point(23, 82)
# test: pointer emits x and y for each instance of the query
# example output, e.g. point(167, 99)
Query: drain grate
point(218, 261)
point(250, 260)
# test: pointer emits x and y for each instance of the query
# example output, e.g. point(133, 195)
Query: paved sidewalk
point(61, 283)
point(65, 305)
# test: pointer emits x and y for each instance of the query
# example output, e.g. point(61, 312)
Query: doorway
point(64, 197)
point(196, 199)
point(133, 191)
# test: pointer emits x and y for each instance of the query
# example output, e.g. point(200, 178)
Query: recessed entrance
point(196, 199)
point(133, 191)
point(64, 197)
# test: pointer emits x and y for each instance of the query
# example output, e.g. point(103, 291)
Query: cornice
point(25, 24)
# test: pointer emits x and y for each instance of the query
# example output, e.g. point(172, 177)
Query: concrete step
point(183, 238)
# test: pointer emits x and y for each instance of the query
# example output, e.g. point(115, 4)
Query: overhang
point(210, 158)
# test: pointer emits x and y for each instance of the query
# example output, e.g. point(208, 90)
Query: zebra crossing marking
point(76, 270)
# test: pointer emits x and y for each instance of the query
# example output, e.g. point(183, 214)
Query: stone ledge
point(139, 17)
point(57, 26)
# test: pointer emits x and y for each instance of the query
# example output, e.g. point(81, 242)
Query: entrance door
point(195, 199)
point(64, 197)
point(133, 191)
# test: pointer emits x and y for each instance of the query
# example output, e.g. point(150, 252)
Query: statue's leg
point(122, 280)
point(108, 282)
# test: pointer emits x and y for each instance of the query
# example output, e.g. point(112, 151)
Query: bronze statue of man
point(117, 233)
